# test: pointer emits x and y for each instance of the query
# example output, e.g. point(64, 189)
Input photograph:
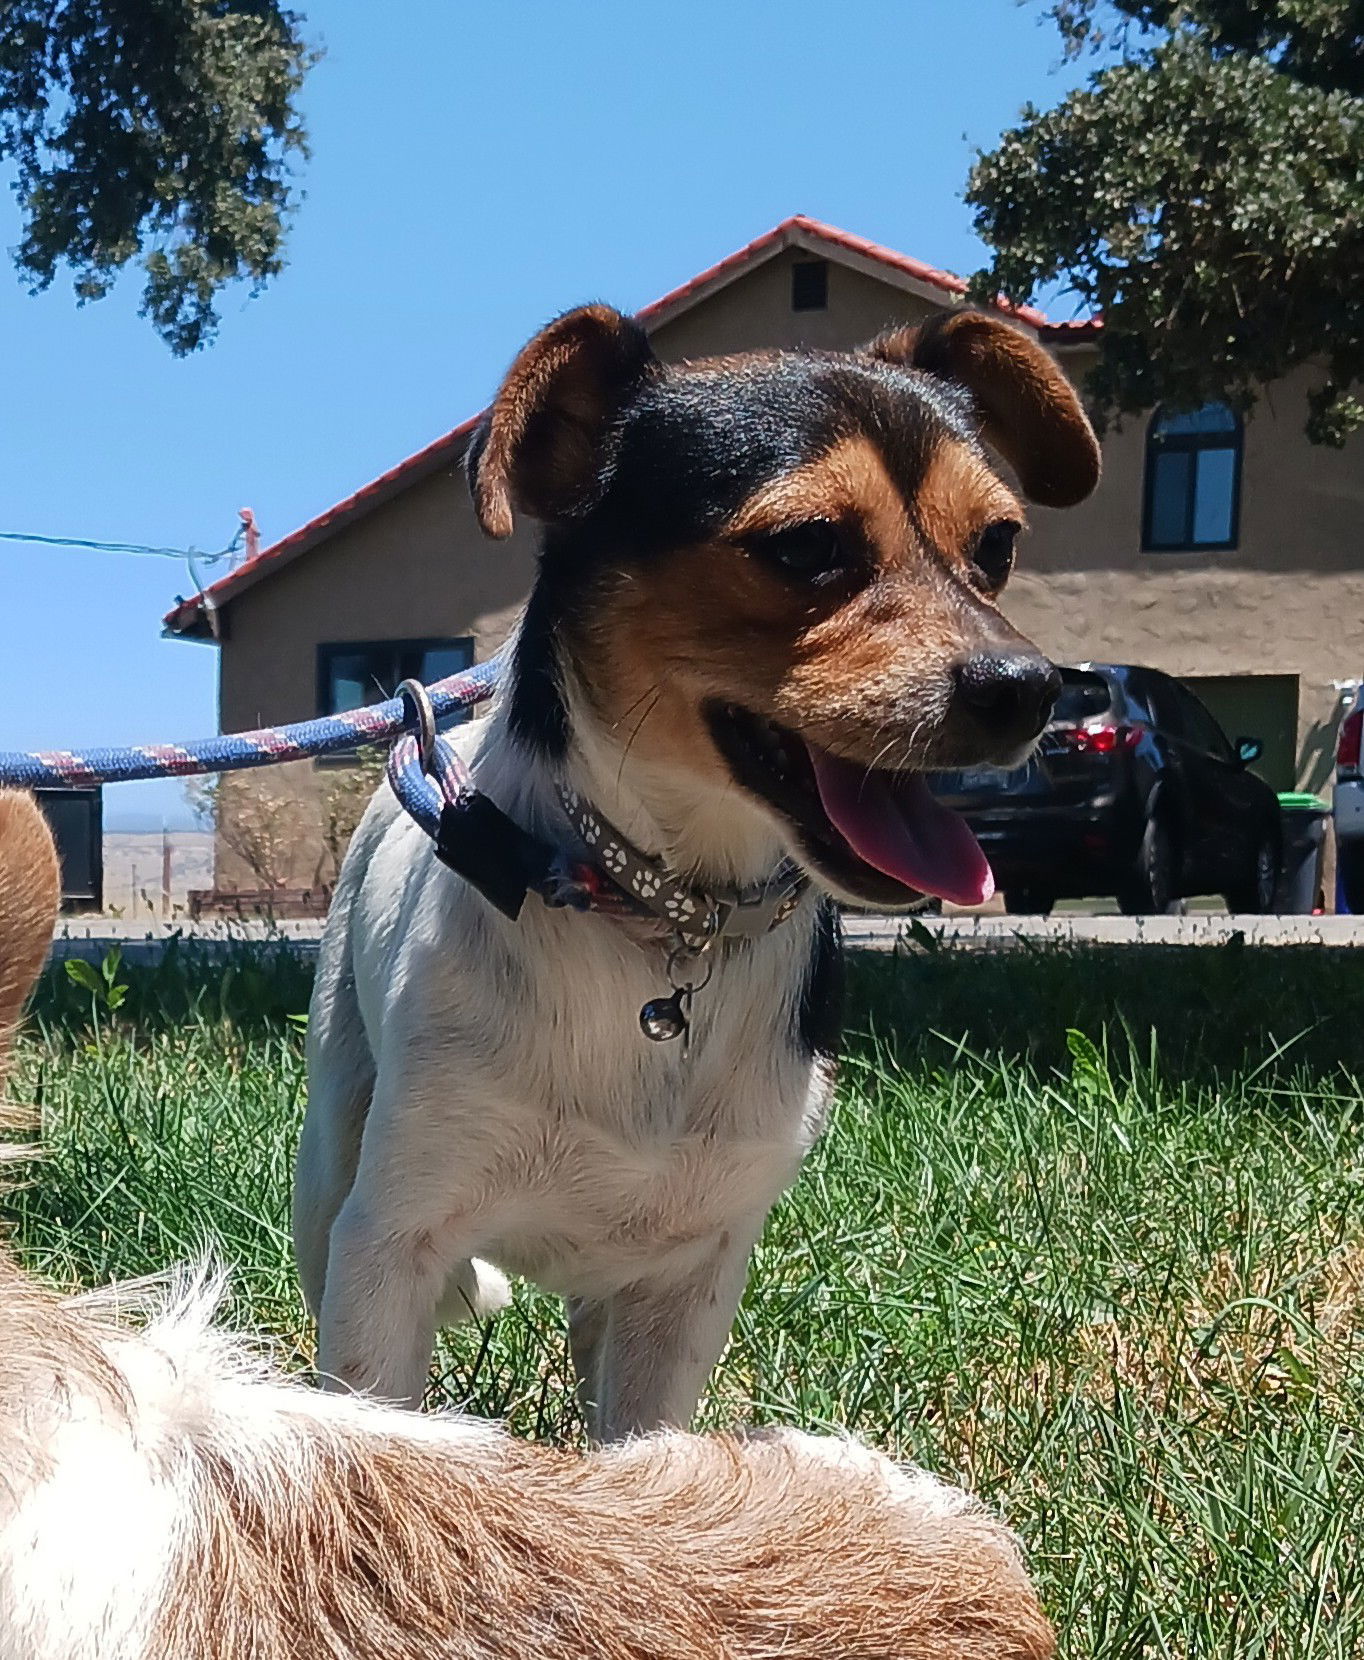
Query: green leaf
point(1089, 1071)
point(80, 973)
point(162, 133)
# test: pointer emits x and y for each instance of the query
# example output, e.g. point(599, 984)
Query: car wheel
point(1350, 869)
point(1028, 902)
point(1255, 896)
point(1150, 889)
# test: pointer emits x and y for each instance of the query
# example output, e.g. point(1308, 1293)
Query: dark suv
point(1134, 791)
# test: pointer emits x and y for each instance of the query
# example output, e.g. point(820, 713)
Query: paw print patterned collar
point(477, 840)
point(694, 917)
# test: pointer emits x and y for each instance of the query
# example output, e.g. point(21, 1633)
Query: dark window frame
point(1179, 711)
point(328, 650)
point(1191, 443)
point(810, 285)
point(1163, 705)
point(1136, 687)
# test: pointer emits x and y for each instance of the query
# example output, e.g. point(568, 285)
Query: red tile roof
point(1077, 329)
point(191, 615)
point(800, 228)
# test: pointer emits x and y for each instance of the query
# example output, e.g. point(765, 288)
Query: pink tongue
point(902, 830)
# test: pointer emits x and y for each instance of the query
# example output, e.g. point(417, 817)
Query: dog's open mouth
point(878, 837)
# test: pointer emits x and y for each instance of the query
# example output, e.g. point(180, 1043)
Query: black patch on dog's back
point(819, 1017)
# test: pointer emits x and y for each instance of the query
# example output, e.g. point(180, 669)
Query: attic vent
point(809, 285)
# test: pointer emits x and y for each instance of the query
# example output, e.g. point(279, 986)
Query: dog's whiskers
point(638, 727)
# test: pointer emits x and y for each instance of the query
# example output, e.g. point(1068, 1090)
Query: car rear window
point(1082, 696)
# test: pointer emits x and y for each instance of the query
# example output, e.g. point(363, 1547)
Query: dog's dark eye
point(813, 552)
point(993, 555)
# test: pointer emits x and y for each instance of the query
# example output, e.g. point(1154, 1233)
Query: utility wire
point(142, 549)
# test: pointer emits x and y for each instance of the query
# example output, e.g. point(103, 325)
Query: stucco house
point(1226, 552)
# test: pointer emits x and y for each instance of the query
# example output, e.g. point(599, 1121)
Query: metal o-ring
point(418, 702)
point(682, 954)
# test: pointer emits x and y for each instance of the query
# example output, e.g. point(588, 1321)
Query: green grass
point(1087, 1234)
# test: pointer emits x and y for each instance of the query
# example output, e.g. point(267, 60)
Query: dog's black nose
point(1010, 693)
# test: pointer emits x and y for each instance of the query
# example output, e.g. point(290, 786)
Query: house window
point(360, 672)
point(809, 285)
point(1193, 480)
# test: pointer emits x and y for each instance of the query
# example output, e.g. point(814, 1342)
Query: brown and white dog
point(766, 604)
point(165, 1495)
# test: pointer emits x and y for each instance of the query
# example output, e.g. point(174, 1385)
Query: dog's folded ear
point(1029, 410)
point(541, 447)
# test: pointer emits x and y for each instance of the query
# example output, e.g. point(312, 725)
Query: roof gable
point(194, 617)
point(827, 242)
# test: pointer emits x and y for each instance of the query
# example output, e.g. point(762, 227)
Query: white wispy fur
point(166, 1493)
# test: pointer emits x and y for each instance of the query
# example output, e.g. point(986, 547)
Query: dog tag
point(664, 1018)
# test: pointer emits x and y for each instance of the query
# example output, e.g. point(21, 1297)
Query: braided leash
point(232, 752)
point(437, 791)
point(469, 832)
point(427, 776)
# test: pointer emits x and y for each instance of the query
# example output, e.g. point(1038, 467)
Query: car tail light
point(1099, 740)
point(1348, 744)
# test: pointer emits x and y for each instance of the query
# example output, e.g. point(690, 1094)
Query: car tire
point(1150, 888)
point(1255, 896)
point(1350, 871)
point(1028, 902)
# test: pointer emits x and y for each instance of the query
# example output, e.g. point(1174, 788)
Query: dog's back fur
point(166, 1495)
point(30, 885)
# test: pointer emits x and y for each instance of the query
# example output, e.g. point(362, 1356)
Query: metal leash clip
point(472, 835)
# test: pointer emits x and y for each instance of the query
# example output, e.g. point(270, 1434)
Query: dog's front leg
point(377, 1325)
point(587, 1324)
point(662, 1341)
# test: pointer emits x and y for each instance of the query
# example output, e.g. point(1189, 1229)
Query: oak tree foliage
point(159, 131)
point(1204, 192)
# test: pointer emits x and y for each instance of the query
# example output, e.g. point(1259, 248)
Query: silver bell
point(662, 1019)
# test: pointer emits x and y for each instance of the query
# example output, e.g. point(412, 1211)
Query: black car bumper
point(1067, 851)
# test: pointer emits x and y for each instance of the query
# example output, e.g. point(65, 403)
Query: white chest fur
point(581, 1151)
point(480, 1090)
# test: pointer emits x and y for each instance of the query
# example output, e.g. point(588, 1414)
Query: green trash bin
point(1304, 840)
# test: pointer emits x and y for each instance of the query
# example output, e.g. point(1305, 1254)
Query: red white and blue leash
point(230, 752)
point(470, 833)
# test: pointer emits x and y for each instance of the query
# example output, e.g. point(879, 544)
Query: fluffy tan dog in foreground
point(165, 1493)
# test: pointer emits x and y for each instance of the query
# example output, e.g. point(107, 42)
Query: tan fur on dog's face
point(862, 667)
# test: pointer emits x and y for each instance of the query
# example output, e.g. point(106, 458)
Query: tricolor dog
point(166, 1495)
point(766, 605)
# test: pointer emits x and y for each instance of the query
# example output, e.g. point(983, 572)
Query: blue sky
point(475, 169)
